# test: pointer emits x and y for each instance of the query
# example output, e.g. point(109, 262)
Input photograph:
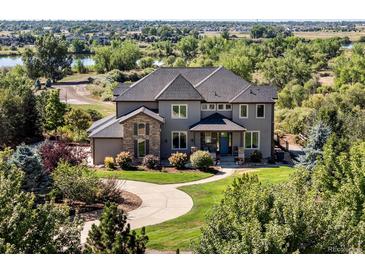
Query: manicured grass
point(179, 233)
point(156, 177)
point(104, 109)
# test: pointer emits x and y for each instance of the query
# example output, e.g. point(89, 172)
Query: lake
point(12, 61)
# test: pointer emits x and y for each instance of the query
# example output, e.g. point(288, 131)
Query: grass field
point(179, 233)
point(104, 109)
point(78, 77)
point(354, 36)
point(236, 33)
point(156, 177)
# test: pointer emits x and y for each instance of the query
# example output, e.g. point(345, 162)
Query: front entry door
point(223, 143)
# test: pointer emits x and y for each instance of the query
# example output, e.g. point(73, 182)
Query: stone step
point(226, 159)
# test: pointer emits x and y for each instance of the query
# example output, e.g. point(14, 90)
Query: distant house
point(181, 109)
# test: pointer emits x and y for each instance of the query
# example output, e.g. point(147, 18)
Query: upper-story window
point(141, 129)
point(208, 107)
point(179, 111)
point(260, 111)
point(224, 107)
point(243, 111)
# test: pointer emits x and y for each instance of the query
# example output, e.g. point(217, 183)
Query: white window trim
point(172, 112)
point(258, 140)
point(172, 140)
point(264, 111)
point(207, 104)
point(239, 111)
point(224, 107)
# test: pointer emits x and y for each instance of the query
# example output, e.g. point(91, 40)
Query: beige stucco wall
point(105, 147)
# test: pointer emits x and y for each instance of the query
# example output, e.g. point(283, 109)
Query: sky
point(182, 9)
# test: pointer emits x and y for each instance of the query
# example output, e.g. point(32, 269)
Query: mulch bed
point(92, 212)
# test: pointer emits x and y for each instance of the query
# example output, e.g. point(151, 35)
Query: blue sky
point(182, 9)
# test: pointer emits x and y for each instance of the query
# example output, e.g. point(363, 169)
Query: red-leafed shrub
point(54, 152)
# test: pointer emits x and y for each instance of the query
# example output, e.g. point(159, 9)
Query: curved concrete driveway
point(160, 203)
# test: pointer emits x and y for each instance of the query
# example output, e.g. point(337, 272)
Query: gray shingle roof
point(100, 122)
point(143, 110)
point(221, 86)
point(256, 94)
point(213, 85)
point(216, 122)
point(151, 85)
point(121, 88)
point(179, 89)
point(110, 127)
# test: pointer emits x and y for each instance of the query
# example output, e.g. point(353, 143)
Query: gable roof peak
point(179, 88)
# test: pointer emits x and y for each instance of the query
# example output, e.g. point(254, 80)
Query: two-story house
point(180, 109)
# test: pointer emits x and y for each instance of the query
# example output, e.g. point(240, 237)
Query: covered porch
point(218, 135)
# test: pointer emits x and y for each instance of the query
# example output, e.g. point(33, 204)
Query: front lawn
point(157, 177)
point(179, 233)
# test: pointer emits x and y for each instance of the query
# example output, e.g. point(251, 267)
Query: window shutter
point(135, 148)
point(147, 129)
point(135, 130)
point(147, 147)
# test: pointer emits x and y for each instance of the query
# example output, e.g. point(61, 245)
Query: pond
point(12, 61)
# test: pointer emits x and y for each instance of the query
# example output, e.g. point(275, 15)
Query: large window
point(260, 111)
point(252, 139)
point(141, 148)
point(243, 111)
point(179, 140)
point(179, 111)
point(208, 107)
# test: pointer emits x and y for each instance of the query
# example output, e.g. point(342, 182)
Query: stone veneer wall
point(154, 134)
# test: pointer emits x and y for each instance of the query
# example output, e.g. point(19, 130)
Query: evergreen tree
point(313, 151)
point(113, 234)
point(26, 159)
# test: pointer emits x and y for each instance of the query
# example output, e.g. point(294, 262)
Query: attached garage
point(105, 147)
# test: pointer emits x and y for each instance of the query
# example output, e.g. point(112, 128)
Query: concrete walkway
point(160, 203)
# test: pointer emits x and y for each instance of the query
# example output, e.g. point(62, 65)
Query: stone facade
point(153, 135)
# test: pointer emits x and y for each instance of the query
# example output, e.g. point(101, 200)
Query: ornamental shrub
point(178, 160)
point(151, 161)
point(54, 152)
point(109, 162)
point(256, 156)
point(124, 160)
point(76, 183)
point(201, 160)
